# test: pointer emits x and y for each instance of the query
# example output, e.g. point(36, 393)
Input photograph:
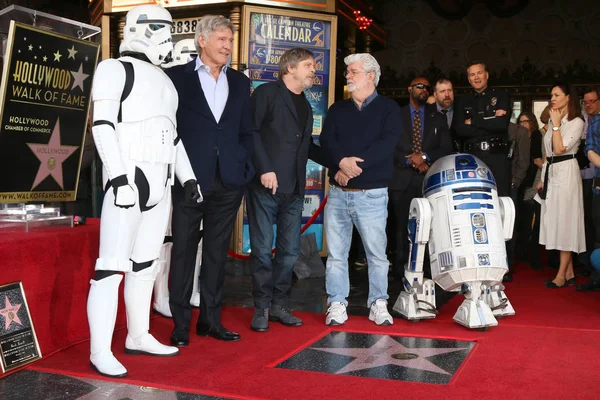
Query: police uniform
point(487, 135)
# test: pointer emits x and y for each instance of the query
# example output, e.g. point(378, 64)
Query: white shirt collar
point(200, 64)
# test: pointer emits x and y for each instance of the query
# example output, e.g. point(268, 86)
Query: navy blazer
point(436, 143)
point(205, 140)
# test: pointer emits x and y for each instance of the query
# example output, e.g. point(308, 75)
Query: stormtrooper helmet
point(148, 30)
point(183, 51)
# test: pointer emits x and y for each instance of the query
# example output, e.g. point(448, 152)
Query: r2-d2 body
point(466, 225)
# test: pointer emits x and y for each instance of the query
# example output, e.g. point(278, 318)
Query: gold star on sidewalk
point(72, 52)
point(57, 56)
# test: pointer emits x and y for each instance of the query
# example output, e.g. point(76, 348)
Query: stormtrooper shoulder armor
point(109, 81)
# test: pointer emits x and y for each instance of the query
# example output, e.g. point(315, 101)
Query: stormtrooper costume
point(183, 52)
point(134, 128)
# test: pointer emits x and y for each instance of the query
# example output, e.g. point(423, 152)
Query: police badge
point(493, 101)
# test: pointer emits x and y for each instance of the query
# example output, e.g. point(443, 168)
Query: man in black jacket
point(284, 120)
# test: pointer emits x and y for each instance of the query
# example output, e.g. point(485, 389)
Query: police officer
point(482, 119)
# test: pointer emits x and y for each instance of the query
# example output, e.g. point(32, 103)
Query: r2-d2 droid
point(466, 225)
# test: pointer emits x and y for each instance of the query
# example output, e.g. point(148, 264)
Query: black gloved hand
point(192, 192)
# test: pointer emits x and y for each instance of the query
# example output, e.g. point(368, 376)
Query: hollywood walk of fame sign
point(404, 358)
point(18, 342)
point(44, 103)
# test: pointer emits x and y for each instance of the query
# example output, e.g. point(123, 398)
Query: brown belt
point(346, 189)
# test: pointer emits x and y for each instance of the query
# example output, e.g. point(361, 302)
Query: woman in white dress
point(562, 226)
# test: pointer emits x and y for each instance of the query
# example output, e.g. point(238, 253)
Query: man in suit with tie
point(429, 139)
point(284, 120)
point(443, 93)
point(214, 119)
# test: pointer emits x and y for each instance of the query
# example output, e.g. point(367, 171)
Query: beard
point(307, 84)
point(354, 87)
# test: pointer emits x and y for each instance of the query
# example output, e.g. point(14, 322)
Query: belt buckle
point(484, 146)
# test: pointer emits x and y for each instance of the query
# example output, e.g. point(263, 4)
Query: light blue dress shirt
point(215, 91)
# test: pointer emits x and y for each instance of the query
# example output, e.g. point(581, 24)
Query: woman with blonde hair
point(562, 226)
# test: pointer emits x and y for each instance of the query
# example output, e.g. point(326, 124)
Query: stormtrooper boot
point(102, 305)
point(138, 294)
point(161, 284)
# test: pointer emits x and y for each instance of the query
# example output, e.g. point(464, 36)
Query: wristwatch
point(556, 128)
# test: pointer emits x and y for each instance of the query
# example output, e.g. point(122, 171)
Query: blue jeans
point(272, 276)
point(367, 210)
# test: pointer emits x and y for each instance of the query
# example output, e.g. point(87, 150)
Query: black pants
point(589, 222)
point(596, 221)
point(218, 210)
point(528, 226)
point(401, 204)
point(501, 168)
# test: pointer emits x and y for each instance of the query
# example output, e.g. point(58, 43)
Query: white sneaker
point(379, 313)
point(336, 314)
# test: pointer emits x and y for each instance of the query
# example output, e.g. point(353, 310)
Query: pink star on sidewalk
point(387, 351)
point(51, 156)
point(9, 312)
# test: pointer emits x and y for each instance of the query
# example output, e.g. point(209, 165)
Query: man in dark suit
point(443, 93)
point(214, 119)
point(428, 139)
point(284, 119)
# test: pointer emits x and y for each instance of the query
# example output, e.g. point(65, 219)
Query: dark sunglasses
point(422, 86)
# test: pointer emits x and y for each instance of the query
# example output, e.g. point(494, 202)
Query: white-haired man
point(359, 137)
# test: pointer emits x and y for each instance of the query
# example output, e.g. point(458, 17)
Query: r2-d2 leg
point(474, 312)
point(497, 301)
point(417, 300)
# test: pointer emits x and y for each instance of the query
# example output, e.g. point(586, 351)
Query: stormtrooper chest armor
point(147, 129)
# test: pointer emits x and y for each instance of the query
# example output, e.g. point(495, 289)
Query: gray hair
point(369, 63)
point(291, 58)
point(207, 25)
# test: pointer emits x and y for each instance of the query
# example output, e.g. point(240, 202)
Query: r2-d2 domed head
point(148, 30)
point(183, 51)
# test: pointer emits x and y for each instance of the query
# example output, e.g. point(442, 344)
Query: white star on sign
point(79, 77)
point(387, 351)
point(72, 52)
point(30, 47)
point(57, 56)
point(45, 58)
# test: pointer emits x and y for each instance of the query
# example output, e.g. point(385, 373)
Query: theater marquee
point(44, 104)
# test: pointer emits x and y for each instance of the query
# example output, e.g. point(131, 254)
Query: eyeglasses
point(353, 72)
point(587, 102)
point(422, 86)
point(524, 121)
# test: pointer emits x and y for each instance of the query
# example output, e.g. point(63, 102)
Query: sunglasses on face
point(422, 86)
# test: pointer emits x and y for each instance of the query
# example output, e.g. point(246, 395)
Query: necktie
point(416, 139)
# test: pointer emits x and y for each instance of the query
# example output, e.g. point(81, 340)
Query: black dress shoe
point(180, 338)
point(552, 285)
point(178, 342)
point(217, 332)
point(571, 282)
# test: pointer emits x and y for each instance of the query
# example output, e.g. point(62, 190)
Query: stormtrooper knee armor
point(135, 134)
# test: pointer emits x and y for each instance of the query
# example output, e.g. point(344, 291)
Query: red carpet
point(548, 350)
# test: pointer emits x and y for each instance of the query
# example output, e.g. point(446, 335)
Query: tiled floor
point(306, 295)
